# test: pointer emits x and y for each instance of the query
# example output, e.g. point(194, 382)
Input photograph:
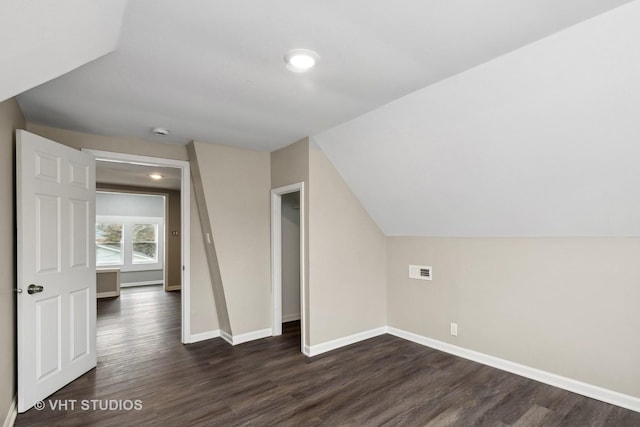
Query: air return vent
point(420, 272)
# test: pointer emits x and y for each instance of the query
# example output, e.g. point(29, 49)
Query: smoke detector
point(160, 131)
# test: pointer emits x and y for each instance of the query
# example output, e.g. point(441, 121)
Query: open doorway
point(133, 237)
point(288, 259)
point(290, 232)
point(148, 257)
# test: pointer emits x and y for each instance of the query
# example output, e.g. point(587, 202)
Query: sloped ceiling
point(544, 141)
point(446, 118)
point(43, 39)
point(213, 71)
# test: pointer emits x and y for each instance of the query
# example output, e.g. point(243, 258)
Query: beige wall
point(173, 265)
point(347, 276)
point(11, 118)
point(204, 314)
point(290, 165)
point(236, 190)
point(563, 305)
point(209, 256)
point(81, 140)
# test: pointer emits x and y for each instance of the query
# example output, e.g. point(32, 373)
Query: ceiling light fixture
point(301, 60)
point(160, 131)
point(155, 176)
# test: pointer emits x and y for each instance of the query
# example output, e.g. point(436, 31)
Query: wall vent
point(420, 272)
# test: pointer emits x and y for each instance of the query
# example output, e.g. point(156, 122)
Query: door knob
point(32, 289)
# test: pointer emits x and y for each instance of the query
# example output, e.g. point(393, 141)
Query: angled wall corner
point(209, 246)
point(234, 201)
point(49, 39)
point(347, 257)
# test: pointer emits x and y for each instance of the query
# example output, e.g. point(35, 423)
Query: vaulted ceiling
point(42, 40)
point(438, 114)
point(543, 141)
point(213, 71)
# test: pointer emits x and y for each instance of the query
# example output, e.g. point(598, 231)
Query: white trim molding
point(251, 336)
point(575, 386)
point(246, 337)
point(276, 261)
point(226, 336)
point(10, 419)
point(317, 349)
point(110, 294)
point(145, 283)
point(202, 336)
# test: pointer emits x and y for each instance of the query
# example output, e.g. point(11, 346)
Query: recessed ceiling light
point(155, 176)
point(160, 131)
point(301, 60)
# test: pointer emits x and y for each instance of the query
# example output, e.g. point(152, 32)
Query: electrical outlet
point(454, 329)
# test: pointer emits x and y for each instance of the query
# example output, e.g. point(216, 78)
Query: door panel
point(80, 312)
point(55, 192)
point(79, 240)
point(48, 337)
point(47, 243)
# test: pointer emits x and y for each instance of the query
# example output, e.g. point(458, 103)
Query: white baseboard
point(10, 419)
point(290, 317)
point(246, 337)
point(250, 336)
point(575, 386)
point(201, 336)
point(146, 283)
point(317, 349)
point(226, 336)
point(109, 294)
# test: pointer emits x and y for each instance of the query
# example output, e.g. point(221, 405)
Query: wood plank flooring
point(384, 381)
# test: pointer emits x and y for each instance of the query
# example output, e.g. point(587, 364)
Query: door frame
point(185, 226)
point(276, 261)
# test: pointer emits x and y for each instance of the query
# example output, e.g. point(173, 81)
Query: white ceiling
point(213, 71)
point(446, 118)
point(43, 39)
point(137, 175)
point(544, 141)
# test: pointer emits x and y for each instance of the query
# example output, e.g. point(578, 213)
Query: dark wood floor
point(382, 381)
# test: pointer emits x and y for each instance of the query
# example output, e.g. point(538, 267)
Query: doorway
point(288, 214)
point(290, 233)
point(133, 233)
point(182, 234)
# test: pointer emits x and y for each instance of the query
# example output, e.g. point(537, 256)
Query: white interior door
point(56, 266)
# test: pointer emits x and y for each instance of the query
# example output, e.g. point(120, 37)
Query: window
point(145, 243)
point(109, 244)
point(130, 243)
